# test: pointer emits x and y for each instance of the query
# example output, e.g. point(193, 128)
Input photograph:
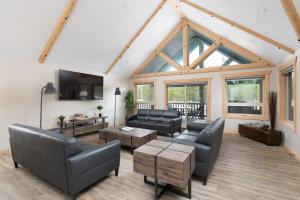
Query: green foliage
point(144, 92)
point(99, 108)
point(194, 93)
point(61, 118)
point(129, 102)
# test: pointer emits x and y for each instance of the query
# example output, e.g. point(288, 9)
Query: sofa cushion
point(188, 138)
point(171, 114)
point(143, 114)
point(155, 115)
point(190, 132)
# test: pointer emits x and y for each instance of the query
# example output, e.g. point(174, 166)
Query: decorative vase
point(100, 114)
point(272, 109)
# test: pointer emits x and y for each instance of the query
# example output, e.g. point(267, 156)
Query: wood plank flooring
point(245, 170)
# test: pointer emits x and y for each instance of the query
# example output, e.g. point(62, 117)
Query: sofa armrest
point(132, 117)
point(177, 121)
point(91, 158)
point(197, 126)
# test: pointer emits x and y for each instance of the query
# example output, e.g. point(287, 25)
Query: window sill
point(289, 124)
point(246, 116)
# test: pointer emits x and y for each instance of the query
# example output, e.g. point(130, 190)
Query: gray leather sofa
point(164, 121)
point(61, 160)
point(207, 140)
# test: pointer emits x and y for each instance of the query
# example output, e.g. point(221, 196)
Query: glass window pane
point(223, 57)
point(144, 93)
point(197, 44)
point(176, 94)
point(245, 95)
point(289, 105)
point(174, 48)
point(158, 65)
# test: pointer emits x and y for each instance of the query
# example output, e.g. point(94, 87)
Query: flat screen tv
point(79, 86)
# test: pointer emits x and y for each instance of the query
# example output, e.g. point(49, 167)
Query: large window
point(144, 94)
point(190, 97)
point(245, 95)
point(287, 92)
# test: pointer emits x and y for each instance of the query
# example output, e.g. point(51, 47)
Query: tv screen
point(79, 86)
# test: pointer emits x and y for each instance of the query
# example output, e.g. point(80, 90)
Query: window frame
point(134, 83)
point(188, 81)
point(291, 124)
point(266, 89)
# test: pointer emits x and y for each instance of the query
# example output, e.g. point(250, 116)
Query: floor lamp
point(117, 92)
point(47, 89)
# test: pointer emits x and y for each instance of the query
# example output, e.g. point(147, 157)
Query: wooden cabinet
point(267, 137)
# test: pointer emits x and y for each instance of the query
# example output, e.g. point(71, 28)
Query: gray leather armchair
point(62, 160)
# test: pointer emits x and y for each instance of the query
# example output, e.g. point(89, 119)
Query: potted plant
point(129, 103)
point(100, 108)
point(61, 121)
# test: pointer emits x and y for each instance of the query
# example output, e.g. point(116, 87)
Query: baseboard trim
point(4, 152)
point(292, 152)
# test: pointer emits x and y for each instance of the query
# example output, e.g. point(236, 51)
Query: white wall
point(292, 139)
point(231, 125)
point(20, 85)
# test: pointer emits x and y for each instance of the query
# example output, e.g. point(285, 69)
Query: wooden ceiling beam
point(135, 36)
point(204, 70)
point(185, 44)
point(215, 37)
point(241, 27)
point(205, 54)
point(292, 14)
point(58, 28)
point(169, 60)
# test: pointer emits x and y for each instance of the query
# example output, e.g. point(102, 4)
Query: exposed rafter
point(135, 36)
point(256, 61)
point(292, 14)
point(169, 60)
point(241, 27)
point(203, 70)
point(215, 37)
point(185, 44)
point(166, 40)
point(58, 28)
point(205, 54)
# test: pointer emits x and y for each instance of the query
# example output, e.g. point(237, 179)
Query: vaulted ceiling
point(98, 30)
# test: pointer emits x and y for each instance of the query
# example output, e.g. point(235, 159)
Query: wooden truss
point(292, 14)
point(188, 68)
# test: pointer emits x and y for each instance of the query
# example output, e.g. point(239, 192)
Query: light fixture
point(47, 89)
point(117, 92)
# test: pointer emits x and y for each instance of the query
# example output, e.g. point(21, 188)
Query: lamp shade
point(117, 92)
point(49, 88)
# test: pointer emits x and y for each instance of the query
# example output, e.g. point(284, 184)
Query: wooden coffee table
point(167, 162)
point(133, 138)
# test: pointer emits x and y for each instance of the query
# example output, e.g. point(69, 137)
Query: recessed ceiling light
point(124, 6)
point(262, 9)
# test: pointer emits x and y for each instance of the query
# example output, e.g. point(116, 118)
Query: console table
point(77, 127)
point(254, 132)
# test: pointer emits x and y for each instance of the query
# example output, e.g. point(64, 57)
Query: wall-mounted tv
point(79, 86)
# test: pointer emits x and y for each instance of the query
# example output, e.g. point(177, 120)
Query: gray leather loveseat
point(207, 140)
point(61, 160)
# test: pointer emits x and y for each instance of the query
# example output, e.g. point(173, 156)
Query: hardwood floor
point(245, 170)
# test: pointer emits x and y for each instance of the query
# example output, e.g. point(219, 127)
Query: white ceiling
point(98, 29)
